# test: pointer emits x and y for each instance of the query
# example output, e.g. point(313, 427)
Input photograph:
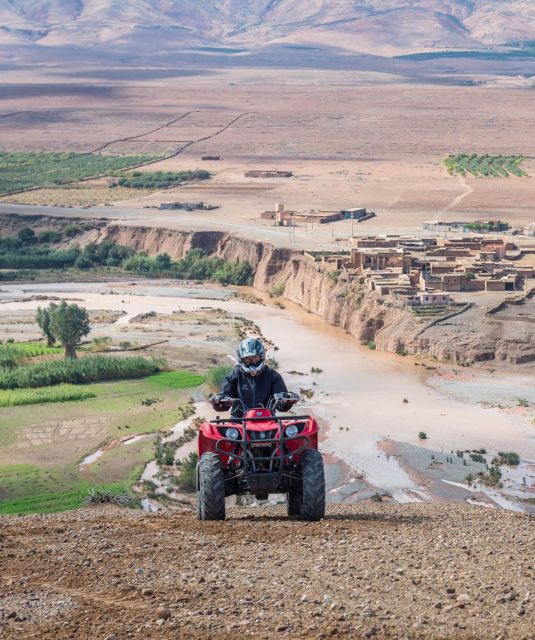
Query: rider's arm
point(277, 383)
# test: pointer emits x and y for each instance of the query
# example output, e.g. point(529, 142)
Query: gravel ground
point(372, 570)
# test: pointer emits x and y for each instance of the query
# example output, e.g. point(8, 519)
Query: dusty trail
point(458, 199)
point(374, 571)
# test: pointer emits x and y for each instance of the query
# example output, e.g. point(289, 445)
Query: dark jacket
point(252, 391)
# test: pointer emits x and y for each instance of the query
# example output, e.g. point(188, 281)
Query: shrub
point(276, 291)
point(216, 376)
point(371, 345)
point(105, 496)
point(50, 237)
point(27, 236)
point(72, 230)
point(101, 344)
point(508, 458)
point(522, 402)
point(187, 477)
point(477, 457)
point(422, 435)
point(492, 477)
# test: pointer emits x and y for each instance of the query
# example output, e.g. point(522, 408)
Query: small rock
point(438, 605)
point(159, 622)
point(11, 615)
point(163, 613)
point(282, 628)
point(450, 589)
point(447, 608)
point(521, 611)
point(463, 600)
point(147, 592)
point(112, 636)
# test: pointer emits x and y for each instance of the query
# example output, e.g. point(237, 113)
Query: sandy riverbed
point(360, 393)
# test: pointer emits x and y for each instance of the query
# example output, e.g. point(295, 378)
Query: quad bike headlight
point(291, 430)
point(232, 433)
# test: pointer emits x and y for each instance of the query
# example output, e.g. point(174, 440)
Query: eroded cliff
point(468, 335)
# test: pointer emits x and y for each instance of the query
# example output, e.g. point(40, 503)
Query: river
point(365, 396)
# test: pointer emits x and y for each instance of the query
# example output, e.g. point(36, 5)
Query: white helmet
point(249, 348)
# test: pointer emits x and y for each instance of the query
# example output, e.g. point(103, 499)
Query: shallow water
point(359, 392)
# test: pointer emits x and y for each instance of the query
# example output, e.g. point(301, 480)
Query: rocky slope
point(470, 336)
point(383, 27)
point(372, 571)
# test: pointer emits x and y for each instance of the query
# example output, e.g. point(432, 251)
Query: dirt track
point(376, 570)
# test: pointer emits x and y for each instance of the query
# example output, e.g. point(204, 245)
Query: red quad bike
point(261, 453)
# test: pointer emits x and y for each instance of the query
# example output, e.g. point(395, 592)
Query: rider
point(251, 380)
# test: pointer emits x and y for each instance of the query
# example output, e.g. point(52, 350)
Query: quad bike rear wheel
point(313, 496)
point(211, 488)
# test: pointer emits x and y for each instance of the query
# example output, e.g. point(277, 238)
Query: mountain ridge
point(380, 27)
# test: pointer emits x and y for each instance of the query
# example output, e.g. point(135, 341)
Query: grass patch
point(174, 380)
point(87, 369)
point(61, 393)
point(30, 489)
point(26, 170)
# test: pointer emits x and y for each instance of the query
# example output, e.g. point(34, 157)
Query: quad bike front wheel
point(210, 488)
point(313, 496)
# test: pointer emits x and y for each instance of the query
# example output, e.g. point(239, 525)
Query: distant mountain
point(382, 27)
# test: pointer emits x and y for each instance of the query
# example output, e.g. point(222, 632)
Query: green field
point(34, 490)
point(41, 448)
point(20, 170)
point(42, 395)
point(485, 166)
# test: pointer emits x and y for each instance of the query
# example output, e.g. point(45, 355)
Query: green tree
point(42, 317)
point(69, 323)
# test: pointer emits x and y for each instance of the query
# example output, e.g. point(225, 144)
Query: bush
point(88, 369)
point(50, 237)
point(477, 457)
point(422, 435)
point(276, 291)
point(187, 478)
point(102, 344)
point(371, 345)
point(216, 376)
point(105, 496)
point(509, 458)
point(72, 230)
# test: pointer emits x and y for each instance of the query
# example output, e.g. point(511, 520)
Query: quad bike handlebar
point(283, 401)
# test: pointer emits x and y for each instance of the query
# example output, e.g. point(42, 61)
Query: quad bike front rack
point(246, 456)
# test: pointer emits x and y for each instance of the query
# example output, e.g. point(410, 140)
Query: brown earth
point(350, 139)
point(373, 571)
